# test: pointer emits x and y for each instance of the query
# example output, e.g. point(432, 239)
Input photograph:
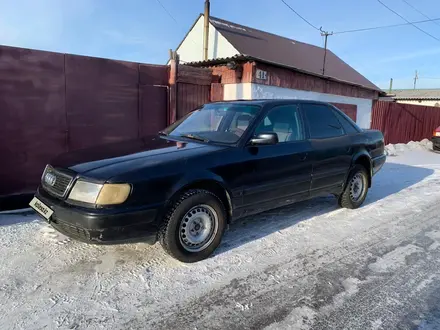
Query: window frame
point(297, 107)
point(348, 119)
point(307, 124)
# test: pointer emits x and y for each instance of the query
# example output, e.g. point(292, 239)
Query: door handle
point(303, 158)
point(348, 149)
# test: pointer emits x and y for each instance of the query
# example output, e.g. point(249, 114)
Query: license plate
point(41, 208)
point(437, 133)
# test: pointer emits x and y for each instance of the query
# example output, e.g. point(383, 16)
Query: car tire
point(356, 188)
point(193, 226)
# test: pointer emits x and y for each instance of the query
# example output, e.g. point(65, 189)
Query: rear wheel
point(356, 189)
point(193, 226)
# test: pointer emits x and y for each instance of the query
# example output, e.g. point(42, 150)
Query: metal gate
point(52, 103)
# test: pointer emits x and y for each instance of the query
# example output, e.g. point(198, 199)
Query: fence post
point(172, 81)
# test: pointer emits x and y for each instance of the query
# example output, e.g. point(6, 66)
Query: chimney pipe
point(206, 31)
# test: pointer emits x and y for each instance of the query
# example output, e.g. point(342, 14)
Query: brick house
point(253, 64)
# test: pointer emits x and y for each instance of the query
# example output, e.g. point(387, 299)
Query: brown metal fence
point(33, 121)
point(401, 123)
point(52, 103)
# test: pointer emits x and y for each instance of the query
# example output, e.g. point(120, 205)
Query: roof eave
point(319, 76)
point(244, 57)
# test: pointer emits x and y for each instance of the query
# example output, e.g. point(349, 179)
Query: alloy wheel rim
point(198, 228)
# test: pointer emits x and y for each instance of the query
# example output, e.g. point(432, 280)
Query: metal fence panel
point(102, 101)
point(32, 116)
point(51, 103)
point(401, 123)
point(152, 114)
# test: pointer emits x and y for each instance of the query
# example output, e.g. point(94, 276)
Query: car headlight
point(113, 194)
point(101, 194)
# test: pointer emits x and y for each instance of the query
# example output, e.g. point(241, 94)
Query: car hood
point(94, 161)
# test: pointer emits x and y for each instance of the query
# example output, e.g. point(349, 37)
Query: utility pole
point(206, 30)
point(416, 77)
point(325, 34)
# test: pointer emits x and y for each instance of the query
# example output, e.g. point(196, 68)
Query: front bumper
point(102, 226)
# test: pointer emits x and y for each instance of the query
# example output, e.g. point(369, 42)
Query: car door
point(279, 174)
point(332, 150)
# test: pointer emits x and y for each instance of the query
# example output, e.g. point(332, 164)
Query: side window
point(349, 128)
point(284, 120)
point(322, 121)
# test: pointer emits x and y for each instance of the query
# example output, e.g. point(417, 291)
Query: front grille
point(61, 184)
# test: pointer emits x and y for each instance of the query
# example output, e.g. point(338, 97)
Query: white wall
point(191, 48)
point(241, 91)
point(430, 103)
point(256, 91)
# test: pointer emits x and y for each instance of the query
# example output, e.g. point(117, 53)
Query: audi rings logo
point(50, 179)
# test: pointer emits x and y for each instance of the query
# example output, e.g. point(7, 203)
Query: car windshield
point(216, 122)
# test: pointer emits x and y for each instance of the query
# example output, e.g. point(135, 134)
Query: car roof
point(262, 102)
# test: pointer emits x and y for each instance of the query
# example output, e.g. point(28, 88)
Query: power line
point(388, 26)
point(173, 18)
point(420, 12)
point(407, 20)
point(434, 20)
point(166, 10)
point(325, 34)
point(313, 26)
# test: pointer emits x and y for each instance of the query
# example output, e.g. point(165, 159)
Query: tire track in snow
point(361, 250)
point(282, 273)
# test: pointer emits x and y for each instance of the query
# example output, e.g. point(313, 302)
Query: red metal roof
point(274, 49)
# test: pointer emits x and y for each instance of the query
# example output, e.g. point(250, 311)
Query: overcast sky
point(142, 31)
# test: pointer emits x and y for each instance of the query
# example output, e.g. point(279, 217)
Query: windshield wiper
point(162, 133)
point(194, 137)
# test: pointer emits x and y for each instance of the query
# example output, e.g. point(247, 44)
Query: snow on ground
point(307, 266)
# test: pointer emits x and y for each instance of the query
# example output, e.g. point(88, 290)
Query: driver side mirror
point(264, 139)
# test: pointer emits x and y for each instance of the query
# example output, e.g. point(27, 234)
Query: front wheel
point(193, 226)
point(356, 189)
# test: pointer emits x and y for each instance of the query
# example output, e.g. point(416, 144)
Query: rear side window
point(349, 128)
point(322, 121)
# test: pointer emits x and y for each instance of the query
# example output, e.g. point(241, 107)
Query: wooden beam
point(192, 75)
